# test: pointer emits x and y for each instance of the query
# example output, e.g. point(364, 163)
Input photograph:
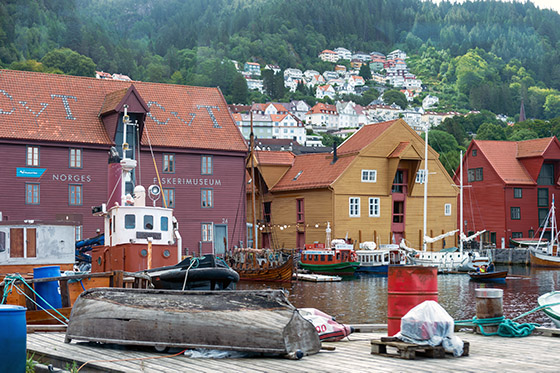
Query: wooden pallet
point(409, 351)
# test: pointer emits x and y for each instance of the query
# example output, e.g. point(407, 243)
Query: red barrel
point(408, 286)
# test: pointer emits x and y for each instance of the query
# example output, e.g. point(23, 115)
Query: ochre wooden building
point(370, 189)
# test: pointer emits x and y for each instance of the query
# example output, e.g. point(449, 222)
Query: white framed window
point(447, 209)
point(369, 176)
point(421, 176)
point(354, 207)
point(374, 207)
point(32, 156)
point(207, 232)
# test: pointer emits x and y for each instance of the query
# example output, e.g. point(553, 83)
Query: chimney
point(335, 157)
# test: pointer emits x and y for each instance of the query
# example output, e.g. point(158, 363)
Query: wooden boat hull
point(255, 321)
point(337, 269)
point(495, 277)
point(544, 260)
point(553, 312)
point(282, 273)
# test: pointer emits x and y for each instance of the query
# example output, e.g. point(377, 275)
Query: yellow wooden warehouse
point(370, 189)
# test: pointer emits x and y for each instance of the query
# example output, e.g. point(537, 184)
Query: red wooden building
point(509, 187)
point(56, 131)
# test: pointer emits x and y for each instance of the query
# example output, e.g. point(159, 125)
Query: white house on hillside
point(343, 53)
point(329, 56)
point(323, 115)
point(286, 126)
point(325, 91)
point(347, 115)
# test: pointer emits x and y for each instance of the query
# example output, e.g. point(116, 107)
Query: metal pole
point(461, 203)
point(424, 245)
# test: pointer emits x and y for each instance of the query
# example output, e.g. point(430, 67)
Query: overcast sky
point(549, 4)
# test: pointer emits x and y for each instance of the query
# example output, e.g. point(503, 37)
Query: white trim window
point(354, 207)
point(421, 176)
point(369, 176)
point(374, 207)
point(447, 209)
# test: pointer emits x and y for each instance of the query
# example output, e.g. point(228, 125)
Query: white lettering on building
point(185, 181)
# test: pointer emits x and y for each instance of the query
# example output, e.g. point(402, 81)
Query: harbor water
point(363, 300)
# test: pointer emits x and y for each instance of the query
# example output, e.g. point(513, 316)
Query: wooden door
point(220, 239)
point(31, 251)
point(16, 242)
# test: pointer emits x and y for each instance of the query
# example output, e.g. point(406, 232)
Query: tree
point(239, 91)
point(552, 106)
point(393, 96)
point(365, 72)
point(491, 131)
point(69, 62)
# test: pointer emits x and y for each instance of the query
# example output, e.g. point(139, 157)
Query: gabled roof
point(502, 156)
point(533, 148)
point(275, 158)
point(310, 171)
point(508, 158)
point(62, 108)
point(363, 137)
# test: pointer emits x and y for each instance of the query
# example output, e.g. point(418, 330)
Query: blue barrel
point(50, 290)
point(13, 338)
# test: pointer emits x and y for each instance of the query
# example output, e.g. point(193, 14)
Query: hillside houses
point(391, 69)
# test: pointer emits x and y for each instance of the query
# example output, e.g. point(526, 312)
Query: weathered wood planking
point(486, 354)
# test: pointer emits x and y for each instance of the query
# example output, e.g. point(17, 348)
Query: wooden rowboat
point(251, 321)
point(495, 276)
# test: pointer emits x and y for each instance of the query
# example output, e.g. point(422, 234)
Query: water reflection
point(363, 300)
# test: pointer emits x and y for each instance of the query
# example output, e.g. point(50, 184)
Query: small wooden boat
point(495, 276)
point(252, 321)
point(341, 260)
point(204, 273)
point(261, 265)
point(554, 311)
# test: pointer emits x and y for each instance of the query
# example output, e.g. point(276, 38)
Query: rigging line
point(155, 166)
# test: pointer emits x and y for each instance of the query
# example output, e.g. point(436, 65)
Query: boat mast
point(252, 155)
point(552, 225)
point(424, 244)
point(461, 203)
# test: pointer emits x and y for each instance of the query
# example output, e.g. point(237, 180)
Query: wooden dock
point(487, 354)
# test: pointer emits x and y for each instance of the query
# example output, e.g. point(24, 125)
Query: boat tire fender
point(296, 355)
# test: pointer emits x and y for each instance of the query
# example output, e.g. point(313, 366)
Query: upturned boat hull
point(253, 321)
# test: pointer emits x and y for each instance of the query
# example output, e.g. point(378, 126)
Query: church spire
point(522, 112)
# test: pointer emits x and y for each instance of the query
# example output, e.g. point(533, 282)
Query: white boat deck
point(317, 278)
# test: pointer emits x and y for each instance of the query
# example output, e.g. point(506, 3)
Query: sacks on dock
point(429, 323)
point(328, 328)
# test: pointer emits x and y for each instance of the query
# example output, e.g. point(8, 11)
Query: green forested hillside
point(475, 55)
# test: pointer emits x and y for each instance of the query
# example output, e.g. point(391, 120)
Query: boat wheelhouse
point(340, 260)
point(378, 261)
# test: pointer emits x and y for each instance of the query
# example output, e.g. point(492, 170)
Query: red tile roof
point(60, 108)
point(533, 148)
point(312, 171)
point(502, 155)
point(280, 158)
point(363, 137)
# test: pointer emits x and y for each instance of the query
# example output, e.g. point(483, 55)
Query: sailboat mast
point(424, 244)
point(253, 202)
point(461, 203)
